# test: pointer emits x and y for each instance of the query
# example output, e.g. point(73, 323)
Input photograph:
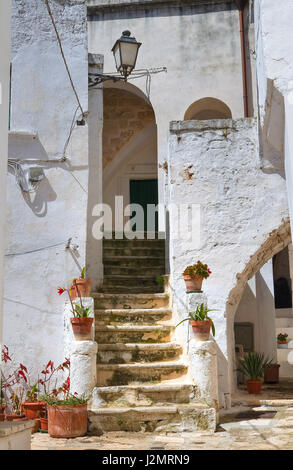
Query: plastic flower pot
point(82, 328)
point(201, 330)
point(193, 283)
point(271, 375)
point(67, 421)
point(33, 410)
point(44, 424)
point(282, 344)
point(84, 287)
point(254, 386)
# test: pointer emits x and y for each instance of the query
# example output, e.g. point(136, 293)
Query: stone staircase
point(142, 381)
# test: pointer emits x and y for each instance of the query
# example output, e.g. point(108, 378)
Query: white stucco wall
point(199, 45)
point(43, 107)
point(5, 13)
point(240, 206)
point(257, 306)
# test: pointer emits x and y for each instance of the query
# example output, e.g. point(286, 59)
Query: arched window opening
point(206, 109)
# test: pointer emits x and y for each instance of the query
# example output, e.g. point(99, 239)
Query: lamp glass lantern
point(125, 52)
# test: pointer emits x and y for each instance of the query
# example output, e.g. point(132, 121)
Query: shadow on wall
point(26, 152)
point(272, 132)
point(207, 108)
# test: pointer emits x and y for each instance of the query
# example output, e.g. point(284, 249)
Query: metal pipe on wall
point(241, 5)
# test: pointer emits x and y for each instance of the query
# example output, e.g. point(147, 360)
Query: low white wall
point(216, 164)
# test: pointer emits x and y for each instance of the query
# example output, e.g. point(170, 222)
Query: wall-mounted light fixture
point(125, 51)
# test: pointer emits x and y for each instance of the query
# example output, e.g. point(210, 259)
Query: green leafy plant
point(160, 280)
point(253, 365)
point(200, 314)
point(68, 400)
point(32, 393)
point(199, 269)
point(282, 337)
point(81, 311)
point(82, 274)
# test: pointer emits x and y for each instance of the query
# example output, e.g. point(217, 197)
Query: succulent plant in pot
point(81, 321)
point(81, 286)
point(194, 275)
point(201, 323)
point(253, 366)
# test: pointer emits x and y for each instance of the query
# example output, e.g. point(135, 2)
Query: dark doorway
point(144, 192)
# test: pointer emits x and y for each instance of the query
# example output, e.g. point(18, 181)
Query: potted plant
point(201, 323)
point(81, 321)
point(32, 407)
point(67, 413)
point(282, 340)
point(81, 286)
point(194, 276)
point(253, 366)
point(271, 374)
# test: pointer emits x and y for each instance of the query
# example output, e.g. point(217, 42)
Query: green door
point(144, 192)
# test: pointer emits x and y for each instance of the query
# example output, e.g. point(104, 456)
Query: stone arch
point(208, 108)
point(277, 240)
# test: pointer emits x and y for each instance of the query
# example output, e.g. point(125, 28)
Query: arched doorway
point(129, 149)
point(208, 108)
point(245, 299)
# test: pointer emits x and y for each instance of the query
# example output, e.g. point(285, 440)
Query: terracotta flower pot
point(81, 328)
point(33, 410)
point(2, 407)
point(194, 283)
point(13, 416)
point(201, 330)
point(2, 417)
point(67, 421)
point(44, 424)
point(84, 286)
point(254, 386)
point(271, 375)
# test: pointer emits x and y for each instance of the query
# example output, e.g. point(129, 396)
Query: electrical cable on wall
point(63, 57)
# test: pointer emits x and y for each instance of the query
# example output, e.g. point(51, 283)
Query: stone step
point(126, 271)
point(107, 334)
point(136, 243)
point(137, 316)
point(139, 373)
point(131, 396)
point(122, 289)
point(135, 281)
point(135, 261)
point(149, 252)
point(133, 353)
point(169, 418)
point(145, 235)
point(130, 301)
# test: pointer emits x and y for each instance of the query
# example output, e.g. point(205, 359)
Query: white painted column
point(82, 354)
point(94, 255)
point(266, 311)
point(203, 360)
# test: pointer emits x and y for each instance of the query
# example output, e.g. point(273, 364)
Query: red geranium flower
point(61, 290)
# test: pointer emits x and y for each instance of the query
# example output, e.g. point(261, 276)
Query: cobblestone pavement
point(263, 422)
